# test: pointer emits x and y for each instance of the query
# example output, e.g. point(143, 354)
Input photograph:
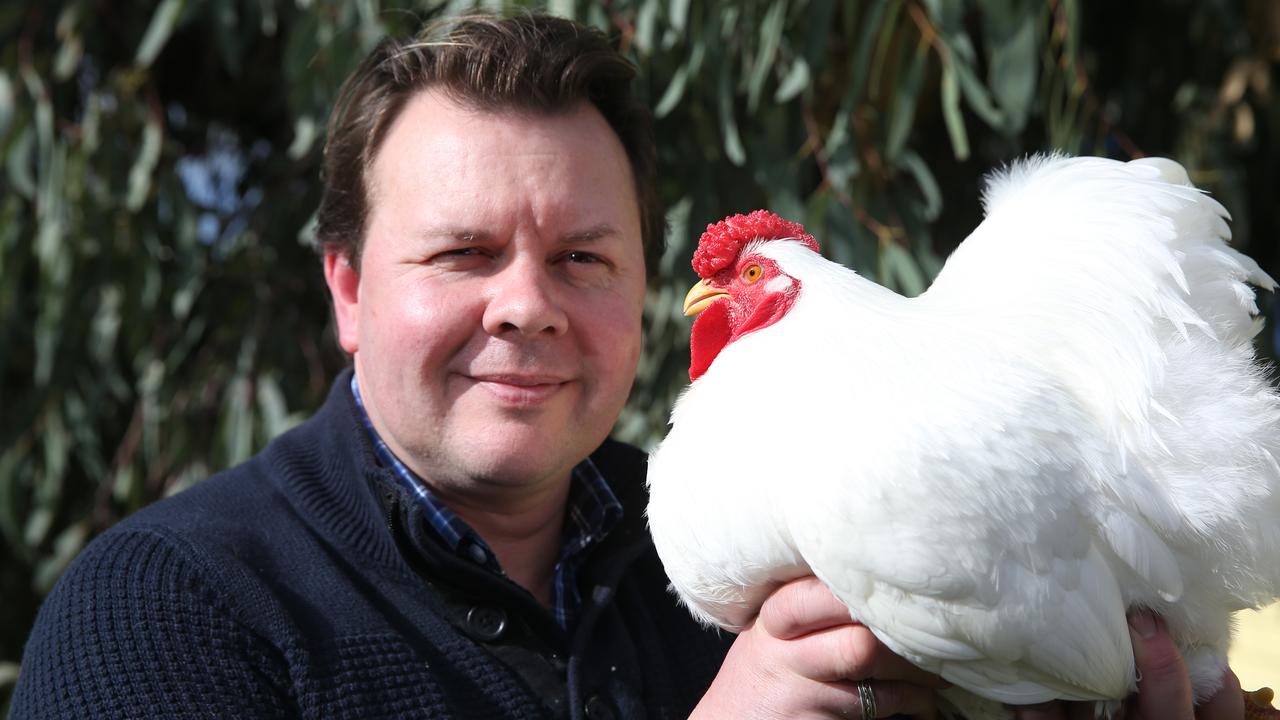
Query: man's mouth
point(521, 389)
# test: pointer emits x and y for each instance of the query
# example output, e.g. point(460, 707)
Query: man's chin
point(521, 456)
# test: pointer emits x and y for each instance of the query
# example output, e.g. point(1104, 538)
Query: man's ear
point(344, 286)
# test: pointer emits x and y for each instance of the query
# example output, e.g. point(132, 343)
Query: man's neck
point(524, 532)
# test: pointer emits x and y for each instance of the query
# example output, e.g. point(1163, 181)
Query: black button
point(477, 554)
point(599, 708)
point(487, 623)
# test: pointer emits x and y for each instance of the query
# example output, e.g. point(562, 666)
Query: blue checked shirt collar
point(591, 513)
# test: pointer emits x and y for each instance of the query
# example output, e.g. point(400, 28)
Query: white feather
point(1069, 423)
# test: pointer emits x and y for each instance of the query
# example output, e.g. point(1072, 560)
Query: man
point(452, 535)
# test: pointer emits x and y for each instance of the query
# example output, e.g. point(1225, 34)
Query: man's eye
point(577, 256)
point(457, 255)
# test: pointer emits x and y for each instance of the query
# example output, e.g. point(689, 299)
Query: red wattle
point(712, 330)
point(716, 327)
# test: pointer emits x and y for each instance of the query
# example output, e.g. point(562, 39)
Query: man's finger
point(1226, 704)
point(852, 652)
point(892, 699)
point(801, 607)
point(1164, 690)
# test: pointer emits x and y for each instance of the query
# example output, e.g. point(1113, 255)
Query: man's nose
point(524, 299)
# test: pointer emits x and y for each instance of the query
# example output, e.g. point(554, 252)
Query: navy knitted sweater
point(303, 584)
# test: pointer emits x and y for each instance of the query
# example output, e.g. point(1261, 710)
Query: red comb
point(722, 241)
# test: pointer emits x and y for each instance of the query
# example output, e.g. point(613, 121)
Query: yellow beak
point(700, 296)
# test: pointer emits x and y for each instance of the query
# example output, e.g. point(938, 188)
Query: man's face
point(495, 320)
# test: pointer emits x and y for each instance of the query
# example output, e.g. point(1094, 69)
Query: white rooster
point(1069, 423)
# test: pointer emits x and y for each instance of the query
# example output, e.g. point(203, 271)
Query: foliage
point(162, 315)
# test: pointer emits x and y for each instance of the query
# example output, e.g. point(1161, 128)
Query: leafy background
point(162, 314)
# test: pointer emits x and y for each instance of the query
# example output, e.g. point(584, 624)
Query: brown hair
point(527, 62)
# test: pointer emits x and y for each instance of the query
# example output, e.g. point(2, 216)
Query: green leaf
point(646, 26)
point(68, 57)
point(770, 36)
point(866, 42)
point(675, 90)
point(951, 113)
point(144, 165)
point(53, 437)
point(883, 42)
point(273, 408)
point(562, 8)
point(8, 673)
point(796, 80)
point(946, 15)
point(126, 485)
point(678, 235)
point(905, 98)
point(842, 167)
point(38, 524)
point(18, 164)
point(90, 123)
point(728, 122)
point(929, 189)
point(14, 469)
point(976, 95)
point(6, 104)
point(678, 14)
point(237, 428)
point(163, 21)
point(819, 21)
point(900, 271)
point(1013, 65)
point(65, 547)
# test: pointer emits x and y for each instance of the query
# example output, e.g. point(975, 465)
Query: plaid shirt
point(592, 511)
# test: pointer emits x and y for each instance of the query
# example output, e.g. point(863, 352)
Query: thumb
point(1164, 689)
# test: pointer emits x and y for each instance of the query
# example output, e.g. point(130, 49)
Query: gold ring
point(867, 699)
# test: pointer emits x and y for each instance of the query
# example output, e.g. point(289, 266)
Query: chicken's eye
point(752, 273)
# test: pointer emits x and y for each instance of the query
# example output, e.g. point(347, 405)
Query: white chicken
point(1068, 424)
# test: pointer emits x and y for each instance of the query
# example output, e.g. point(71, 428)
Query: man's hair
point(525, 63)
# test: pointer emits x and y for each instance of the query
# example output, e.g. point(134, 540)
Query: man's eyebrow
point(599, 232)
point(452, 232)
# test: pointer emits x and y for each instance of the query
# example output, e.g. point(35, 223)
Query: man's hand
point(1164, 690)
point(803, 657)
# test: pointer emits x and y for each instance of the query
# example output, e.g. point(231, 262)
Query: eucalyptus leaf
point(65, 546)
point(951, 113)
point(771, 28)
point(68, 58)
point(858, 71)
point(929, 190)
point(37, 526)
point(678, 14)
point(144, 165)
point(979, 100)
point(728, 122)
point(273, 408)
point(8, 673)
point(163, 22)
point(900, 271)
point(13, 461)
point(563, 8)
point(6, 104)
point(646, 26)
point(906, 95)
point(18, 163)
point(1013, 64)
point(794, 82)
point(672, 95)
